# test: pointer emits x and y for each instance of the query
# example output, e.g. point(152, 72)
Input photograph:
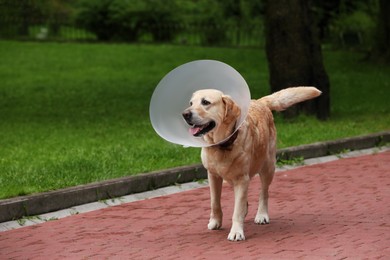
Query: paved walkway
point(334, 210)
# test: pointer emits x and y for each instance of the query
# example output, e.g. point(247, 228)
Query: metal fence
point(18, 28)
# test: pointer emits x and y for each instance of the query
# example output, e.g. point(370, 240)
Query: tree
point(381, 50)
point(294, 53)
point(21, 13)
point(24, 14)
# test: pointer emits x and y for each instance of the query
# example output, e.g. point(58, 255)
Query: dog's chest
point(229, 165)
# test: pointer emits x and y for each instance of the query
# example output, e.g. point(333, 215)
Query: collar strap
point(230, 141)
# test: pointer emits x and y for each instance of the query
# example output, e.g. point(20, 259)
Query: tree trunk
point(294, 53)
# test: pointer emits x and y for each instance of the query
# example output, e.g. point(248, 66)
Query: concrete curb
point(333, 147)
point(15, 208)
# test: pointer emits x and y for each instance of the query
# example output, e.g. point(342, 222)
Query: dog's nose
point(187, 115)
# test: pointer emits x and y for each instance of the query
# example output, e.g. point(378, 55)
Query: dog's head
point(211, 115)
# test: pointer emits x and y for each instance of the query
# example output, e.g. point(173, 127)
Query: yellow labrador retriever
point(248, 151)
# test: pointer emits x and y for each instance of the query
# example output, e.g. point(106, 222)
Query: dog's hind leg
point(215, 183)
point(266, 176)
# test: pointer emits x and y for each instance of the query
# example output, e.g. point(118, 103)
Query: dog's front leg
point(215, 183)
point(240, 210)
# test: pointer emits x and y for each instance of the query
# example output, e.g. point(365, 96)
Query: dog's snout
point(187, 115)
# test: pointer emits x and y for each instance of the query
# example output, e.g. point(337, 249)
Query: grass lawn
point(78, 113)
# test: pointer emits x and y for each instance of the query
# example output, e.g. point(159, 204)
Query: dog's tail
point(285, 98)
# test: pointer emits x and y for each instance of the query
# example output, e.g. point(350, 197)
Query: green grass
point(77, 113)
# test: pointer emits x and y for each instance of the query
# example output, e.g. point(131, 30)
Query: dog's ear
point(232, 111)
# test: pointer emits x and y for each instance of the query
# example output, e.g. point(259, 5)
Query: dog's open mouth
point(199, 130)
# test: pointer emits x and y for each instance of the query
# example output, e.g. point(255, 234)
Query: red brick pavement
point(336, 210)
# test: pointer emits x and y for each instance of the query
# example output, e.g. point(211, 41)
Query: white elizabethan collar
point(173, 93)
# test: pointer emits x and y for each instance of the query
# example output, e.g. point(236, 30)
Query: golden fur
point(252, 152)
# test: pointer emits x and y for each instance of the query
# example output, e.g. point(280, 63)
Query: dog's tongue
point(194, 130)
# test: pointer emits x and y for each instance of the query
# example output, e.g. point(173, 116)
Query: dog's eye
point(205, 102)
point(190, 103)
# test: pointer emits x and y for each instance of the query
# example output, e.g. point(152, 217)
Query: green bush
point(161, 19)
point(123, 20)
point(95, 17)
point(213, 23)
point(358, 24)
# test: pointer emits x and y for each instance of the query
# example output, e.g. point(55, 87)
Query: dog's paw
point(236, 235)
point(214, 224)
point(262, 219)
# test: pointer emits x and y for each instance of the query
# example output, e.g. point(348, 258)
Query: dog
point(236, 155)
